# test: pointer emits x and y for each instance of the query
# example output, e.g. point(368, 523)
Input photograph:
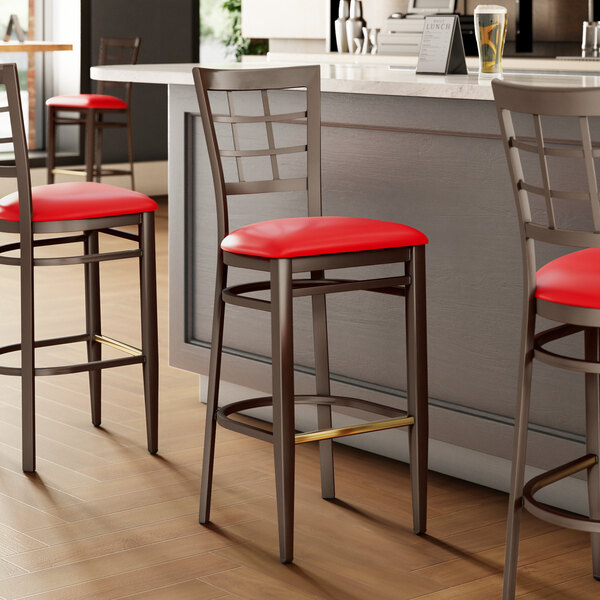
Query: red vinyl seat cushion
point(77, 200)
point(82, 101)
point(310, 236)
point(573, 279)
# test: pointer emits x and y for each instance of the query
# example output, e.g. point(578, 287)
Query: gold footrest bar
point(326, 434)
point(83, 173)
point(118, 345)
point(69, 172)
point(555, 515)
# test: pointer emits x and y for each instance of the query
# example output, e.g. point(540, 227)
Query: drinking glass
point(490, 31)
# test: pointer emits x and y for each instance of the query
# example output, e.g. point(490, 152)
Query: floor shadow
point(268, 563)
point(369, 516)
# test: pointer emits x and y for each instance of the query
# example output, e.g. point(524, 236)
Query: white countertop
point(378, 79)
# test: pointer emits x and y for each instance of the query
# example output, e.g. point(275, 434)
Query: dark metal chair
point(68, 208)
point(284, 247)
point(93, 109)
point(565, 290)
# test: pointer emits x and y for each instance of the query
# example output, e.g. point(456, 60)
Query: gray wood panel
point(453, 187)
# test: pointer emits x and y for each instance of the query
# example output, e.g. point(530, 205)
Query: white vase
point(355, 23)
point(340, 26)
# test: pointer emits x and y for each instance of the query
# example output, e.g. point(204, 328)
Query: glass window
point(25, 11)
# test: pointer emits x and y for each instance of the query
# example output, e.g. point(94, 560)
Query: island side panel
point(435, 164)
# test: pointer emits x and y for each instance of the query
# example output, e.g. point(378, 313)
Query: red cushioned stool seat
point(573, 279)
point(83, 101)
point(77, 200)
point(311, 236)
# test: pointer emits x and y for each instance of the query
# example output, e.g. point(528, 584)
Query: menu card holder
point(442, 51)
point(14, 22)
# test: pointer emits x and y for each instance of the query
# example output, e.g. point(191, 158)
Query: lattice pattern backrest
point(118, 51)
point(529, 109)
point(10, 105)
point(231, 101)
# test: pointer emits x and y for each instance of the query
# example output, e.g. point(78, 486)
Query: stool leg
point(592, 401)
point(417, 394)
point(130, 147)
point(27, 359)
point(149, 328)
point(93, 325)
point(98, 147)
point(319, 309)
point(90, 131)
point(51, 157)
point(212, 401)
point(515, 501)
point(283, 402)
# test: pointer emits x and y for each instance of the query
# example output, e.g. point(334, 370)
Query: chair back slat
point(8, 171)
point(283, 117)
point(539, 136)
point(271, 151)
point(571, 105)
point(236, 82)
point(269, 186)
point(556, 194)
point(236, 138)
point(20, 168)
point(590, 171)
point(118, 51)
point(270, 137)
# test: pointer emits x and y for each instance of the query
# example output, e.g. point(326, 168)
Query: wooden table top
point(33, 46)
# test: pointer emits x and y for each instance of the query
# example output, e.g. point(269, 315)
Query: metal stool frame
point(112, 51)
point(580, 104)
point(283, 289)
point(147, 356)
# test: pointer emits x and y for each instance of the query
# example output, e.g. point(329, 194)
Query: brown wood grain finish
point(102, 520)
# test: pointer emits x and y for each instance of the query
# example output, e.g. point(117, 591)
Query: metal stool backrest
point(261, 80)
point(20, 168)
point(579, 104)
point(118, 51)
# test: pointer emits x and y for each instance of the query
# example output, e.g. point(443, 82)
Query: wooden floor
point(102, 519)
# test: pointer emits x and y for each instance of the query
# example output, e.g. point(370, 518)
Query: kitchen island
point(426, 151)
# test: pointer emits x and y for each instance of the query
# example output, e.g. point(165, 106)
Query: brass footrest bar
point(555, 515)
point(326, 434)
point(103, 339)
point(81, 172)
point(69, 172)
point(399, 418)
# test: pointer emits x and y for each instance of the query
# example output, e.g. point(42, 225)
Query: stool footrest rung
point(554, 515)
point(327, 434)
point(135, 358)
point(104, 339)
point(398, 418)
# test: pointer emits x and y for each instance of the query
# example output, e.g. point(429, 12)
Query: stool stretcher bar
point(327, 434)
point(555, 515)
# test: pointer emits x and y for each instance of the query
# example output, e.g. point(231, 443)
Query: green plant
point(234, 39)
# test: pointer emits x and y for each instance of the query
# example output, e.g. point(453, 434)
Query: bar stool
point(312, 244)
point(565, 290)
point(92, 109)
point(68, 208)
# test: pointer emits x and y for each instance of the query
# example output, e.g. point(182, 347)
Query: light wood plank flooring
point(102, 519)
